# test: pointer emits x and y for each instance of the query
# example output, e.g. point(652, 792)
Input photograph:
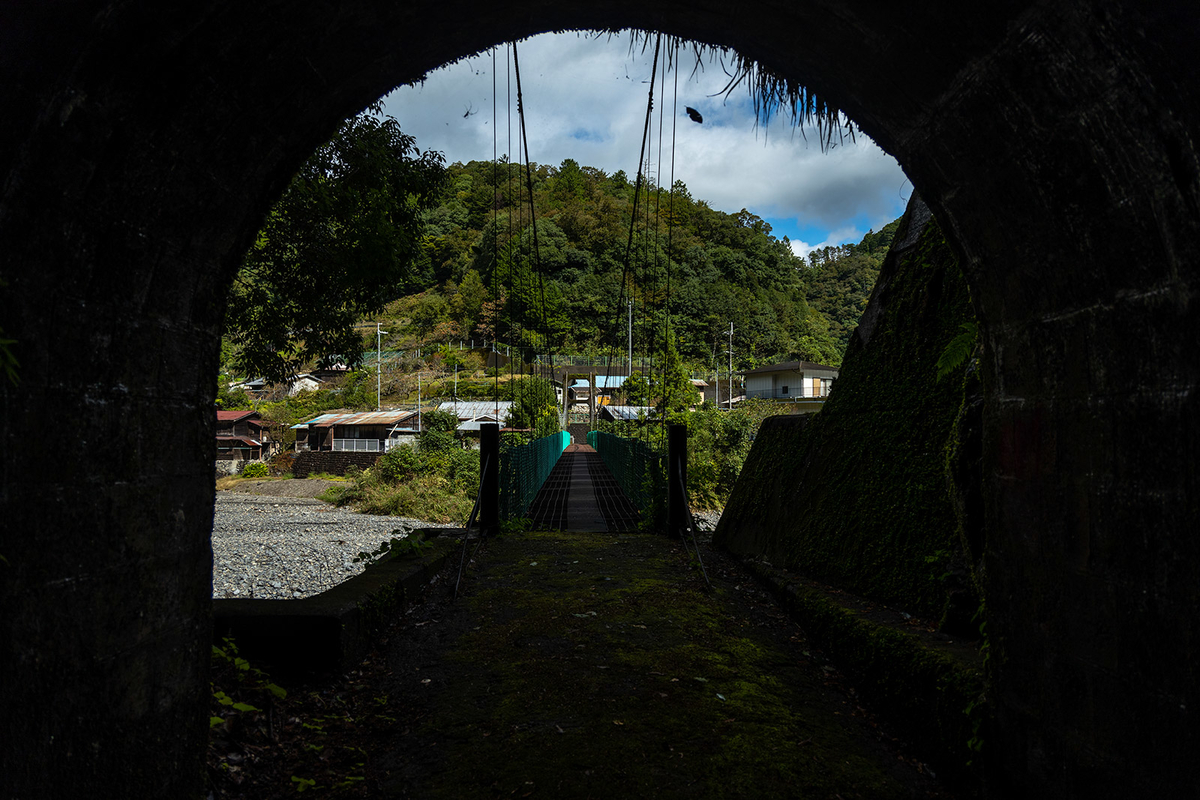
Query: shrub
point(439, 431)
point(255, 469)
point(398, 464)
point(282, 463)
point(462, 467)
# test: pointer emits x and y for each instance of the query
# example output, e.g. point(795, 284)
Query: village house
point(239, 436)
point(791, 380)
point(580, 390)
point(472, 414)
point(304, 382)
point(363, 432)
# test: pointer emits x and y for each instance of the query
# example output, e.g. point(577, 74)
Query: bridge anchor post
point(489, 479)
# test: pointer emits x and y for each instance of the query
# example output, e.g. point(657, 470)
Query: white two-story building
point(791, 380)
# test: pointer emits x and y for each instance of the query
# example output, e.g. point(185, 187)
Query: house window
point(784, 391)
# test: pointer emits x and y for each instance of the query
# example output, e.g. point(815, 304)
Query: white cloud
point(836, 237)
point(585, 99)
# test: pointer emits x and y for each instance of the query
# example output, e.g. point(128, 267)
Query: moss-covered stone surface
point(929, 685)
point(600, 666)
point(856, 494)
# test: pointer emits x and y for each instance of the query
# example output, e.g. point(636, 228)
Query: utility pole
point(418, 401)
point(730, 401)
point(378, 368)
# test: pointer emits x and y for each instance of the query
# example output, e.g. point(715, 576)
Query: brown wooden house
point(239, 436)
point(366, 432)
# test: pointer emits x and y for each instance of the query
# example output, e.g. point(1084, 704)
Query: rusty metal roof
point(242, 439)
point(358, 418)
point(234, 416)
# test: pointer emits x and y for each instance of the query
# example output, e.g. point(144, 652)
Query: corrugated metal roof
point(473, 409)
point(242, 439)
point(314, 421)
point(358, 418)
point(792, 366)
point(629, 412)
point(475, 424)
point(224, 415)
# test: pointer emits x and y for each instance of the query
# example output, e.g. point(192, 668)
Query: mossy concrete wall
point(856, 495)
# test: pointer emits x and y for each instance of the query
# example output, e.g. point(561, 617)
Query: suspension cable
point(633, 214)
point(657, 233)
point(495, 229)
point(671, 202)
point(537, 261)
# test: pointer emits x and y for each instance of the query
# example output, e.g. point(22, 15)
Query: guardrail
point(523, 470)
point(771, 394)
point(356, 445)
point(636, 466)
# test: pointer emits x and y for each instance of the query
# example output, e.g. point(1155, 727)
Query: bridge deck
point(581, 495)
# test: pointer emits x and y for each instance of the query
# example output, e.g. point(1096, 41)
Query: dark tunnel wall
point(142, 142)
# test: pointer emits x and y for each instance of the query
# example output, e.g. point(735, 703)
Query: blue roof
point(602, 382)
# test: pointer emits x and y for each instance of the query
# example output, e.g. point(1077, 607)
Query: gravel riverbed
point(292, 547)
point(289, 547)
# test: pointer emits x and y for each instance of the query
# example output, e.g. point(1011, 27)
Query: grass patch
point(427, 497)
point(229, 481)
point(434, 484)
point(333, 495)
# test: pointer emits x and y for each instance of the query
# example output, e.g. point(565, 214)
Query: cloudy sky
point(585, 98)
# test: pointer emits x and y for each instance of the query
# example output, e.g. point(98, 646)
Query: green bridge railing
point(523, 470)
point(636, 466)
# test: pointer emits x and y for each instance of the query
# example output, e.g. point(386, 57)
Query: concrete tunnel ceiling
point(1056, 144)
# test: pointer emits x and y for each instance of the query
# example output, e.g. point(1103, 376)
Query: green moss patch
point(600, 666)
point(922, 682)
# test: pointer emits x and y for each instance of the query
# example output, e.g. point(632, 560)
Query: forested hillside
point(479, 275)
point(442, 255)
point(839, 280)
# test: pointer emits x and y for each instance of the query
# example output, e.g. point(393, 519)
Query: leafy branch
point(958, 350)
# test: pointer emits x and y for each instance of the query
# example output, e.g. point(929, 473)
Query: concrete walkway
point(581, 495)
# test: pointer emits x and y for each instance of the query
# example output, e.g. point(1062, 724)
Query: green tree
point(468, 303)
point(636, 390)
point(337, 246)
point(438, 434)
point(535, 405)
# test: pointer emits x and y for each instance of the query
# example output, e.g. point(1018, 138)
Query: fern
point(958, 350)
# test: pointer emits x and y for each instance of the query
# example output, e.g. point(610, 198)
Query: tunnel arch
point(1056, 143)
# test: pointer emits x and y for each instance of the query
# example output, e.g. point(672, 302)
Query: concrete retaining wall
point(330, 462)
point(331, 631)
